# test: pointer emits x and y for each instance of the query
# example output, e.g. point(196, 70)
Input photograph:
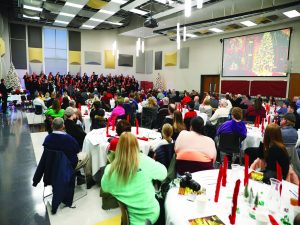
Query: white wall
point(5, 60)
point(206, 57)
point(103, 40)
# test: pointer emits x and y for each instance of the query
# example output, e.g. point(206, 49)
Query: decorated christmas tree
point(256, 200)
point(12, 79)
point(246, 191)
point(158, 84)
point(264, 60)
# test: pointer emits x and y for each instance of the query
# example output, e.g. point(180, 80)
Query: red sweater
point(190, 114)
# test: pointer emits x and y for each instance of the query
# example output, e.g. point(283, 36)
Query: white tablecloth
point(254, 137)
point(203, 115)
point(14, 98)
point(96, 144)
point(179, 210)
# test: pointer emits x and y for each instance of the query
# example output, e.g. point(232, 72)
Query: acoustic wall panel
point(18, 45)
point(74, 57)
point(140, 63)
point(184, 58)
point(74, 41)
point(269, 88)
point(235, 86)
point(92, 58)
point(17, 31)
point(109, 59)
point(149, 62)
point(170, 58)
point(35, 37)
point(35, 55)
point(158, 60)
point(125, 60)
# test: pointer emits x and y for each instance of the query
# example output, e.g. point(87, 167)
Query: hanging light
point(187, 8)
point(178, 36)
point(143, 46)
point(199, 4)
point(184, 33)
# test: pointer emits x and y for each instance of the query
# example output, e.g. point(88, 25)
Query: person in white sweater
point(222, 111)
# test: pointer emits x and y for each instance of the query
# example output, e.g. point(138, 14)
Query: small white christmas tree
point(12, 79)
point(158, 82)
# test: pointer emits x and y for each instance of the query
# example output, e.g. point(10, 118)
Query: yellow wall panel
point(96, 4)
point(35, 55)
point(75, 57)
point(2, 47)
point(170, 58)
point(109, 59)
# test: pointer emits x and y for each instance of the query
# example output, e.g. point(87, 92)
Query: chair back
point(38, 110)
point(162, 113)
point(149, 116)
point(164, 154)
point(229, 143)
point(221, 120)
point(125, 215)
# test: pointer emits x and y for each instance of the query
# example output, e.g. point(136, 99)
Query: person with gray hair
point(221, 112)
point(38, 101)
point(59, 140)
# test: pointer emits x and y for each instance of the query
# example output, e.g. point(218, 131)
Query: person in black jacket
point(72, 128)
point(4, 93)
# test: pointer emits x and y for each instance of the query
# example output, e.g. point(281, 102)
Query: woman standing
point(129, 179)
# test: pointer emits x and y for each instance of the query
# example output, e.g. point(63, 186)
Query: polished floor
point(22, 204)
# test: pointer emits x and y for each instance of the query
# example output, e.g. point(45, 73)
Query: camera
point(187, 181)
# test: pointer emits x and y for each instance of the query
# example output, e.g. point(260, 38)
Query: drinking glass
point(274, 196)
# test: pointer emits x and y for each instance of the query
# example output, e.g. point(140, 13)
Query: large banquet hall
point(150, 112)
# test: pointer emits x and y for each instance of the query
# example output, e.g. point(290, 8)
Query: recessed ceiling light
point(191, 35)
point(162, 1)
point(138, 11)
point(292, 13)
point(113, 23)
point(217, 30)
point(96, 20)
point(32, 8)
point(87, 26)
point(199, 4)
point(60, 21)
point(74, 5)
point(119, 1)
point(106, 11)
point(66, 14)
point(31, 17)
point(248, 23)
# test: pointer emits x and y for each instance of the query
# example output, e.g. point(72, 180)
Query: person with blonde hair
point(129, 179)
point(166, 133)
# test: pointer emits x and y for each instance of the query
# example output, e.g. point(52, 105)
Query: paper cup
point(201, 201)
point(261, 219)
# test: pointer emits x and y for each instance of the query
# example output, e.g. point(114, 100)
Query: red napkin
point(128, 118)
point(137, 126)
point(267, 108)
point(113, 124)
point(246, 175)
point(143, 138)
point(224, 171)
point(234, 201)
point(263, 125)
point(279, 174)
point(272, 220)
point(218, 184)
point(107, 126)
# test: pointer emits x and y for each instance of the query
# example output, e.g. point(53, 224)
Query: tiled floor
point(22, 203)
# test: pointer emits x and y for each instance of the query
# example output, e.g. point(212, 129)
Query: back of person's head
point(2, 80)
point(120, 101)
point(272, 137)
point(191, 105)
point(36, 94)
point(72, 103)
point(97, 104)
point(65, 100)
point(297, 219)
point(151, 102)
point(223, 103)
point(290, 119)
point(237, 113)
point(122, 126)
point(178, 117)
point(165, 101)
point(257, 104)
point(196, 98)
point(126, 100)
point(126, 161)
point(56, 105)
point(70, 111)
point(167, 132)
point(58, 124)
point(100, 113)
point(171, 108)
point(206, 101)
point(197, 125)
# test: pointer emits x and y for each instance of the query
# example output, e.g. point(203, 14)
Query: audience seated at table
point(228, 100)
point(292, 108)
point(72, 128)
point(283, 109)
point(178, 124)
point(55, 110)
point(222, 112)
point(129, 179)
point(205, 107)
point(195, 141)
point(166, 133)
point(236, 125)
point(271, 151)
point(65, 102)
point(59, 140)
point(289, 133)
point(38, 101)
point(246, 102)
point(186, 99)
point(122, 126)
point(96, 111)
point(255, 110)
point(197, 103)
point(170, 118)
point(117, 111)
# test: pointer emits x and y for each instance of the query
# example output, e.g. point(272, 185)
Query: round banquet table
point(179, 210)
point(203, 115)
point(95, 144)
point(85, 112)
point(253, 139)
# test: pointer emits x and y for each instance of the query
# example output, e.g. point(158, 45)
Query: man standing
point(4, 93)
point(59, 140)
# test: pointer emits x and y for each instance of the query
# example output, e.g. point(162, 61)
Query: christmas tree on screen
point(158, 82)
point(12, 79)
point(264, 61)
